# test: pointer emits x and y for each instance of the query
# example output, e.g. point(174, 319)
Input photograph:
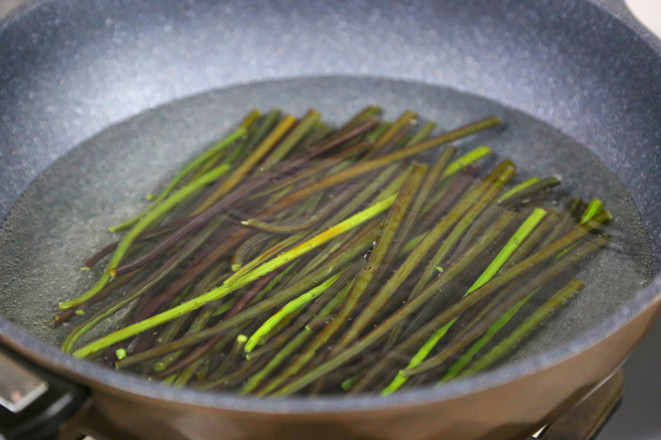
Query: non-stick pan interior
point(91, 66)
point(63, 215)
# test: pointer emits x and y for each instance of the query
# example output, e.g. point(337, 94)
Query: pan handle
point(35, 403)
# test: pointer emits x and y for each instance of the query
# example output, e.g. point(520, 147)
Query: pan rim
point(93, 374)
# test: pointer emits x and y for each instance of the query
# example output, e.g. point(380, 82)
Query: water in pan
point(63, 216)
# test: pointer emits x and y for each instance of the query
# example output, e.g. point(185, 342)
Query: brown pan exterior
point(502, 412)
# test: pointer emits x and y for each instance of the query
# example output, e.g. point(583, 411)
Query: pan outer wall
point(511, 410)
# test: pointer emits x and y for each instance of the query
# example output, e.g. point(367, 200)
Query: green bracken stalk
point(479, 247)
point(448, 178)
point(524, 195)
point(512, 244)
point(265, 126)
point(594, 207)
point(467, 357)
point(247, 122)
point(159, 210)
point(533, 240)
point(370, 165)
point(292, 139)
point(406, 118)
point(242, 170)
point(379, 130)
point(423, 133)
point(301, 337)
point(591, 210)
point(468, 158)
point(416, 256)
point(499, 260)
point(396, 213)
point(515, 189)
point(277, 298)
point(314, 242)
point(483, 194)
point(488, 215)
point(156, 276)
point(316, 312)
point(328, 252)
point(472, 332)
point(228, 288)
point(524, 329)
point(293, 345)
point(291, 307)
point(444, 317)
point(215, 149)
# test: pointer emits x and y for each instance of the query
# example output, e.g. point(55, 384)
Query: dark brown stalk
point(304, 320)
point(443, 318)
point(414, 214)
point(397, 140)
point(312, 170)
point(234, 357)
point(329, 268)
point(146, 235)
point(334, 250)
point(500, 174)
point(395, 215)
point(297, 168)
point(255, 156)
point(217, 382)
point(374, 164)
point(306, 222)
point(204, 260)
point(460, 266)
point(479, 326)
point(395, 133)
point(292, 139)
point(66, 315)
point(251, 293)
point(453, 193)
point(157, 251)
point(144, 287)
point(539, 189)
point(238, 195)
point(519, 333)
point(248, 249)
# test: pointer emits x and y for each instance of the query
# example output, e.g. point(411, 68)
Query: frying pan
point(69, 70)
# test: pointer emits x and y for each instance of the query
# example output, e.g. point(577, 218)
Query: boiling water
point(62, 218)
